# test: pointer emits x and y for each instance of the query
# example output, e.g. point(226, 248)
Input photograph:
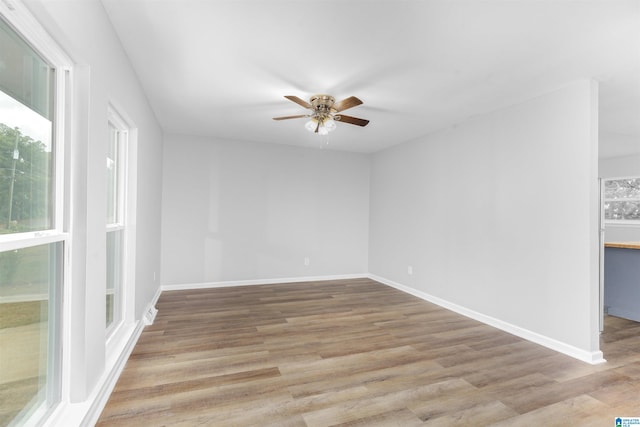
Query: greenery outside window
point(622, 200)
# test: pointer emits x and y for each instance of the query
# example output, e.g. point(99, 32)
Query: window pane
point(26, 144)
point(114, 275)
point(112, 176)
point(30, 282)
point(25, 75)
point(622, 188)
point(622, 210)
point(25, 168)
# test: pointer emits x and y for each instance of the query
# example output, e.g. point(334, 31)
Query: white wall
point(237, 211)
point(616, 145)
point(499, 216)
point(102, 75)
point(618, 167)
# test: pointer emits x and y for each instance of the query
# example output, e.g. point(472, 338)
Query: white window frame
point(121, 301)
point(119, 334)
point(18, 17)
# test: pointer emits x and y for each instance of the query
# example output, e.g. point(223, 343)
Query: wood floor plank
point(532, 399)
point(357, 353)
point(399, 418)
point(581, 410)
point(483, 414)
point(352, 410)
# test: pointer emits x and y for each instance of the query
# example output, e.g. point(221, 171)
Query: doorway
point(620, 245)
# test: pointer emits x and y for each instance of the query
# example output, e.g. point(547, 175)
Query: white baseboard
point(99, 400)
point(224, 284)
point(594, 358)
point(87, 412)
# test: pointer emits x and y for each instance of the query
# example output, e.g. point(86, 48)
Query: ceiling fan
point(325, 112)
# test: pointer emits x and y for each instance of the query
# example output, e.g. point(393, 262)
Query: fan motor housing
point(322, 102)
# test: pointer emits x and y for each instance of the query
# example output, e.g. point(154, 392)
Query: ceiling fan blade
point(349, 102)
point(298, 101)
point(290, 117)
point(352, 120)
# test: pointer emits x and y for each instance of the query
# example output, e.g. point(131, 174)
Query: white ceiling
point(221, 68)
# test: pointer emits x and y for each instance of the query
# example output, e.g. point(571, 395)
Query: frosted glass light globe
point(311, 125)
point(329, 124)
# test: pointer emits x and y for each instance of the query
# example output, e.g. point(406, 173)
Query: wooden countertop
point(623, 245)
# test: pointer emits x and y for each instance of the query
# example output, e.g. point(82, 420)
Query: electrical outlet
point(410, 270)
point(307, 261)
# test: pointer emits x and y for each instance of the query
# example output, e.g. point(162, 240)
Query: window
point(622, 200)
point(116, 208)
point(32, 239)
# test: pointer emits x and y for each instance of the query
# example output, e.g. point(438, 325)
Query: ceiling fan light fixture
point(329, 124)
point(321, 125)
point(324, 113)
point(311, 125)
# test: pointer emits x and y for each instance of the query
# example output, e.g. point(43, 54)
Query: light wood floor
point(356, 352)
